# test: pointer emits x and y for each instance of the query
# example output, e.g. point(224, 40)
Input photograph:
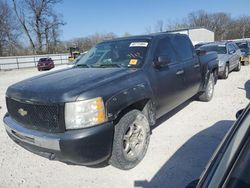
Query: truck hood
point(223, 57)
point(64, 85)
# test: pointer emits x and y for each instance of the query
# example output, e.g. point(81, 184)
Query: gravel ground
point(180, 146)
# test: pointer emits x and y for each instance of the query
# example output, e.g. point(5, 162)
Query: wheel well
point(138, 105)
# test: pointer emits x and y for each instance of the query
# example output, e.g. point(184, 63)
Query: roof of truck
point(149, 36)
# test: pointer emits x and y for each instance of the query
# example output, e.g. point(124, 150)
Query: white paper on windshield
point(138, 44)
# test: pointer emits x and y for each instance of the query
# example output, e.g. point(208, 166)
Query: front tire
point(238, 66)
point(131, 139)
point(226, 72)
point(207, 95)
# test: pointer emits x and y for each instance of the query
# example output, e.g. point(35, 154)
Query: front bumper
point(89, 146)
point(221, 70)
point(45, 67)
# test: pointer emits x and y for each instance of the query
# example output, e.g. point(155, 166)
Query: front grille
point(48, 118)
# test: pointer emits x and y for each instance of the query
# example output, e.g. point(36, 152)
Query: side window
point(183, 47)
point(230, 48)
point(165, 48)
point(235, 46)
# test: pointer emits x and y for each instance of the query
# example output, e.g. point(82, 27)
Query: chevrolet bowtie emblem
point(22, 112)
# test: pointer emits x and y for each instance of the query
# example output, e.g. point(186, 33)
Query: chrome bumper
point(33, 137)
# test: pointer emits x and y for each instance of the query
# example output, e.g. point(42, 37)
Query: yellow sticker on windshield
point(133, 62)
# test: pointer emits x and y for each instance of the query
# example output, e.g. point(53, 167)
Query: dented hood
point(64, 85)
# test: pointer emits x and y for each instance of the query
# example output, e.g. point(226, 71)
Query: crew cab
point(101, 110)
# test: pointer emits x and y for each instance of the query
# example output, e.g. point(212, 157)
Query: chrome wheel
point(134, 139)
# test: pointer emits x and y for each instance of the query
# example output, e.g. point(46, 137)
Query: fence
point(18, 62)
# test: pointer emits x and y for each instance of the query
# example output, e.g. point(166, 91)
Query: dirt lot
point(180, 146)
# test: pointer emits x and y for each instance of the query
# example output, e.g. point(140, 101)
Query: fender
point(207, 68)
point(126, 98)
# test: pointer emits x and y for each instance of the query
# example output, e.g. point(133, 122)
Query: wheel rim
point(134, 139)
point(210, 87)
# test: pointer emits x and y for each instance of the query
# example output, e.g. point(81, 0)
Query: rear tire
point(238, 66)
point(246, 63)
point(131, 139)
point(207, 95)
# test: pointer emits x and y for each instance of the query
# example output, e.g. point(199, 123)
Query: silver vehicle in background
point(228, 54)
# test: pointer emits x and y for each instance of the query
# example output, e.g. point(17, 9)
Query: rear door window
point(182, 45)
point(235, 46)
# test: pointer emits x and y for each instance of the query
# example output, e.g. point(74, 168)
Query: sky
point(87, 17)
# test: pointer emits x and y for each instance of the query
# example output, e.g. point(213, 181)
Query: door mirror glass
point(162, 61)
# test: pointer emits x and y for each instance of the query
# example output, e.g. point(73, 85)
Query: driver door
point(169, 80)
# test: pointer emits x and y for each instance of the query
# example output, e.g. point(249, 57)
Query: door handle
point(180, 72)
point(196, 65)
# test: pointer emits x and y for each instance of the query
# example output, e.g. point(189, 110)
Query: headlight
point(83, 114)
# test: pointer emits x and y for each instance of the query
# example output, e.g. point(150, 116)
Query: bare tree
point(176, 24)
point(239, 28)
point(86, 43)
point(52, 33)
point(217, 22)
point(41, 12)
point(8, 30)
point(38, 20)
point(20, 14)
point(159, 26)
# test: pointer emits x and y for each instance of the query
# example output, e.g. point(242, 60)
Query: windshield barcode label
point(138, 44)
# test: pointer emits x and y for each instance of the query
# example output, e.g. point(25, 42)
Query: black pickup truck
point(101, 110)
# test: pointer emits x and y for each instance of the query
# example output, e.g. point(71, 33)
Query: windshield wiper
point(83, 65)
point(109, 65)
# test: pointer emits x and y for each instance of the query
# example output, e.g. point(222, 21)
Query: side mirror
point(162, 61)
point(239, 113)
point(201, 52)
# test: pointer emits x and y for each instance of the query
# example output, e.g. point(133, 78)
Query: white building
point(197, 35)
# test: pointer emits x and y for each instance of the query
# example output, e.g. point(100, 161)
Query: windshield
point(220, 49)
point(122, 53)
